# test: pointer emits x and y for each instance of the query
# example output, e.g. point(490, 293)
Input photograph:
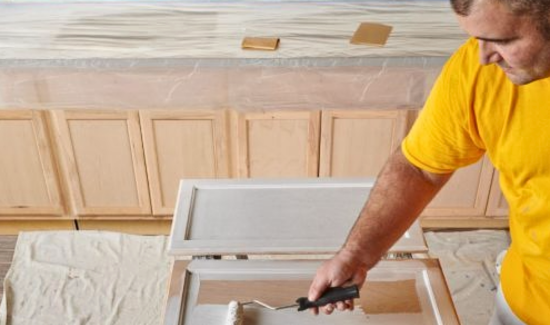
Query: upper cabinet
point(28, 176)
point(101, 155)
point(357, 143)
point(275, 144)
point(182, 144)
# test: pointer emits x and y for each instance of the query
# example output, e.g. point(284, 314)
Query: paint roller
point(235, 313)
point(235, 310)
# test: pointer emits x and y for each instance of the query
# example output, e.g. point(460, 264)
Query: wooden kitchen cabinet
point(357, 143)
point(465, 194)
point(181, 144)
point(29, 186)
point(275, 144)
point(497, 205)
point(101, 155)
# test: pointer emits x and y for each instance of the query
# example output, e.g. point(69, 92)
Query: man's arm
point(401, 192)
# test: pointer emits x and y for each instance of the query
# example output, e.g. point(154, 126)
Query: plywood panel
point(466, 194)
point(28, 177)
point(182, 144)
point(276, 144)
point(103, 162)
point(379, 297)
point(357, 143)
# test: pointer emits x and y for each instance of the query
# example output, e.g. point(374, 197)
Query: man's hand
point(399, 195)
point(344, 269)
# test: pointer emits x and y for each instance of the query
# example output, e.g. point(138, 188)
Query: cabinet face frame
point(185, 286)
point(497, 205)
point(220, 148)
point(49, 171)
point(60, 119)
point(240, 139)
point(401, 124)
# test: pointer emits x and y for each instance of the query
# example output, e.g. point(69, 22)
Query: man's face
point(510, 41)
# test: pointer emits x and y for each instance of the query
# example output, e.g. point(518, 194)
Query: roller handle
point(331, 295)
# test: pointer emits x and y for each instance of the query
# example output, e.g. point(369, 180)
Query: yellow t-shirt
point(475, 109)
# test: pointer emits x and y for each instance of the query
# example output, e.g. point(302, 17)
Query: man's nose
point(488, 53)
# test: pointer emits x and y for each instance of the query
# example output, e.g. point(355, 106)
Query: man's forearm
point(401, 192)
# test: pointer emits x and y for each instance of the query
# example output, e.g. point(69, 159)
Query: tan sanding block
point(260, 43)
point(371, 34)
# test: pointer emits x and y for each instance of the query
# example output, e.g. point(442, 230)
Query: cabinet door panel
point(357, 143)
point(179, 145)
point(276, 144)
point(103, 161)
point(465, 194)
point(28, 178)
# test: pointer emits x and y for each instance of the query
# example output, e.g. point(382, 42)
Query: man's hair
point(538, 9)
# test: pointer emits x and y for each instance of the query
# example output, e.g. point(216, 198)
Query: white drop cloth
point(86, 277)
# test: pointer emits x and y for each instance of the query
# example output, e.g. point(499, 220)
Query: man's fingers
point(314, 311)
point(349, 304)
point(317, 288)
point(328, 309)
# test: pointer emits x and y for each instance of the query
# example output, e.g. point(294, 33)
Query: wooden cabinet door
point(28, 178)
point(182, 144)
point(497, 205)
point(466, 193)
point(276, 144)
point(357, 143)
point(102, 160)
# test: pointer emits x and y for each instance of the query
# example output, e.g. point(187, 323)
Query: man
point(493, 96)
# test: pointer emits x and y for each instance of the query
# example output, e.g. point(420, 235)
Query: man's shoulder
point(465, 68)
point(467, 55)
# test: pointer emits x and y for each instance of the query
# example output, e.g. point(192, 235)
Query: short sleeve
point(445, 136)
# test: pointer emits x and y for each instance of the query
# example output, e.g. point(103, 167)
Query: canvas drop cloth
point(86, 277)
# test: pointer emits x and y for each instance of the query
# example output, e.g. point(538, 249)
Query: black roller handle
point(331, 295)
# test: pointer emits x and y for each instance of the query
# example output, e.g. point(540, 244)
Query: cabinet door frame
point(220, 140)
point(69, 166)
point(56, 207)
point(240, 142)
point(403, 119)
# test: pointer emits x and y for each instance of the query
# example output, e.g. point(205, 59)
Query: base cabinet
point(358, 143)
point(275, 144)
point(101, 155)
point(180, 145)
point(497, 205)
point(29, 182)
point(126, 165)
